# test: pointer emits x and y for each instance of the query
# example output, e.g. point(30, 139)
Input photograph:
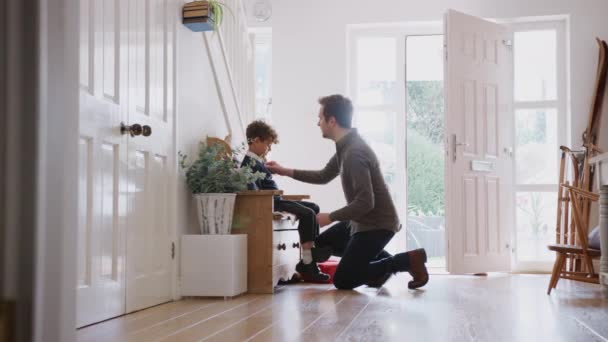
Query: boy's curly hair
point(262, 130)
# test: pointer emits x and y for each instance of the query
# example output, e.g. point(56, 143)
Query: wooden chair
point(573, 255)
point(573, 245)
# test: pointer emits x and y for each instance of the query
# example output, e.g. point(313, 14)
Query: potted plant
point(214, 178)
point(207, 15)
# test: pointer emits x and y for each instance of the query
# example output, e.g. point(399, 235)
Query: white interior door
point(151, 159)
point(479, 140)
point(125, 182)
point(103, 157)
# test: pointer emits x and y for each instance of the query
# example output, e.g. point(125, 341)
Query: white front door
point(479, 140)
point(151, 159)
point(102, 177)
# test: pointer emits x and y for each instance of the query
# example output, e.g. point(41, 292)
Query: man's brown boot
point(417, 268)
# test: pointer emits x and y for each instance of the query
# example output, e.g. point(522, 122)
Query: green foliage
point(218, 8)
point(425, 160)
point(425, 109)
point(425, 176)
point(214, 172)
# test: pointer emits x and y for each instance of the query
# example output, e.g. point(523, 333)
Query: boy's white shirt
point(255, 157)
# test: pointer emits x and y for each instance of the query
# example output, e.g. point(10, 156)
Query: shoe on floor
point(311, 273)
point(417, 268)
point(379, 282)
point(320, 254)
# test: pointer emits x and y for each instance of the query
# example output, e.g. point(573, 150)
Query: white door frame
point(40, 180)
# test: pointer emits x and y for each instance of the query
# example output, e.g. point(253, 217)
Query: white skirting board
point(214, 265)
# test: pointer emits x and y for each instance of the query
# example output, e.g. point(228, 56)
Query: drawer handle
point(282, 246)
point(296, 245)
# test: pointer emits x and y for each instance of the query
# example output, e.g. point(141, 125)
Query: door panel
point(102, 155)
point(151, 160)
point(479, 175)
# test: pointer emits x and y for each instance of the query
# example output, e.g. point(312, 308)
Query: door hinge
point(172, 250)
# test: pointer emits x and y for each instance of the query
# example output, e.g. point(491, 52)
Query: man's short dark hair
point(262, 130)
point(338, 106)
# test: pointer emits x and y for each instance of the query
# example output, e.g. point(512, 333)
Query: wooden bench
point(273, 242)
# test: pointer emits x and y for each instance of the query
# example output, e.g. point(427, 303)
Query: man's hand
point(323, 219)
point(275, 167)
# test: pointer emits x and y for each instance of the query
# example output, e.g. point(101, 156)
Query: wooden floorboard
point(498, 307)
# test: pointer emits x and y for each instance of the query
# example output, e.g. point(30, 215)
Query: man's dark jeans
point(363, 255)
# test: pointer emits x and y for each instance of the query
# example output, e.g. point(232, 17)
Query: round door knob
point(135, 129)
point(282, 246)
point(296, 245)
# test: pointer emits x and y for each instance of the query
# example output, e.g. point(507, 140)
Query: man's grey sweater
point(369, 204)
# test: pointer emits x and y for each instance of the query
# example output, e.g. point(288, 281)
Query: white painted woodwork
point(231, 56)
point(478, 95)
point(213, 265)
point(151, 160)
point(126, 183)
point(102, 180)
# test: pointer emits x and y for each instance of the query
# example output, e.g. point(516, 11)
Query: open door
point(479, 140)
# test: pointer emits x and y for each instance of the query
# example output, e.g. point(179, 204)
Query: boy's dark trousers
point(306, 212)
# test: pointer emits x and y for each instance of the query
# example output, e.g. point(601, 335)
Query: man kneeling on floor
point(369, 220)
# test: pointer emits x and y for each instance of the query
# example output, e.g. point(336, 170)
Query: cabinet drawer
point(284, 221)
point(285, 247)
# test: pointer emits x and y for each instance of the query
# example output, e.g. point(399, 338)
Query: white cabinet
point(214, 265)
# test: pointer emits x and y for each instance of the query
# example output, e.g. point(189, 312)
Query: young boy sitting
point(260, 137)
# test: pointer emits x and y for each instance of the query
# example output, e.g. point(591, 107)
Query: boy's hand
point(323, 219)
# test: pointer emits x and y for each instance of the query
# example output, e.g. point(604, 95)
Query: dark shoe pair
point(311, 272)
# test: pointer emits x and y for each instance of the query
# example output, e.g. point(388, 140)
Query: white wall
point(199, 113)
point(309, 61)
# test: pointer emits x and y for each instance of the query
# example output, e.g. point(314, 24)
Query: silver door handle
point(455, 144)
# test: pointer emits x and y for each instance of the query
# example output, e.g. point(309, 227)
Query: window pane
point(376, 71)
point(536, 150)
point(424, 58)
point(425, 225)
point(535, 61)
point(535, 225)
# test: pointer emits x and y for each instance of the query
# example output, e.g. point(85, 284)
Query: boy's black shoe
point(311, 273)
